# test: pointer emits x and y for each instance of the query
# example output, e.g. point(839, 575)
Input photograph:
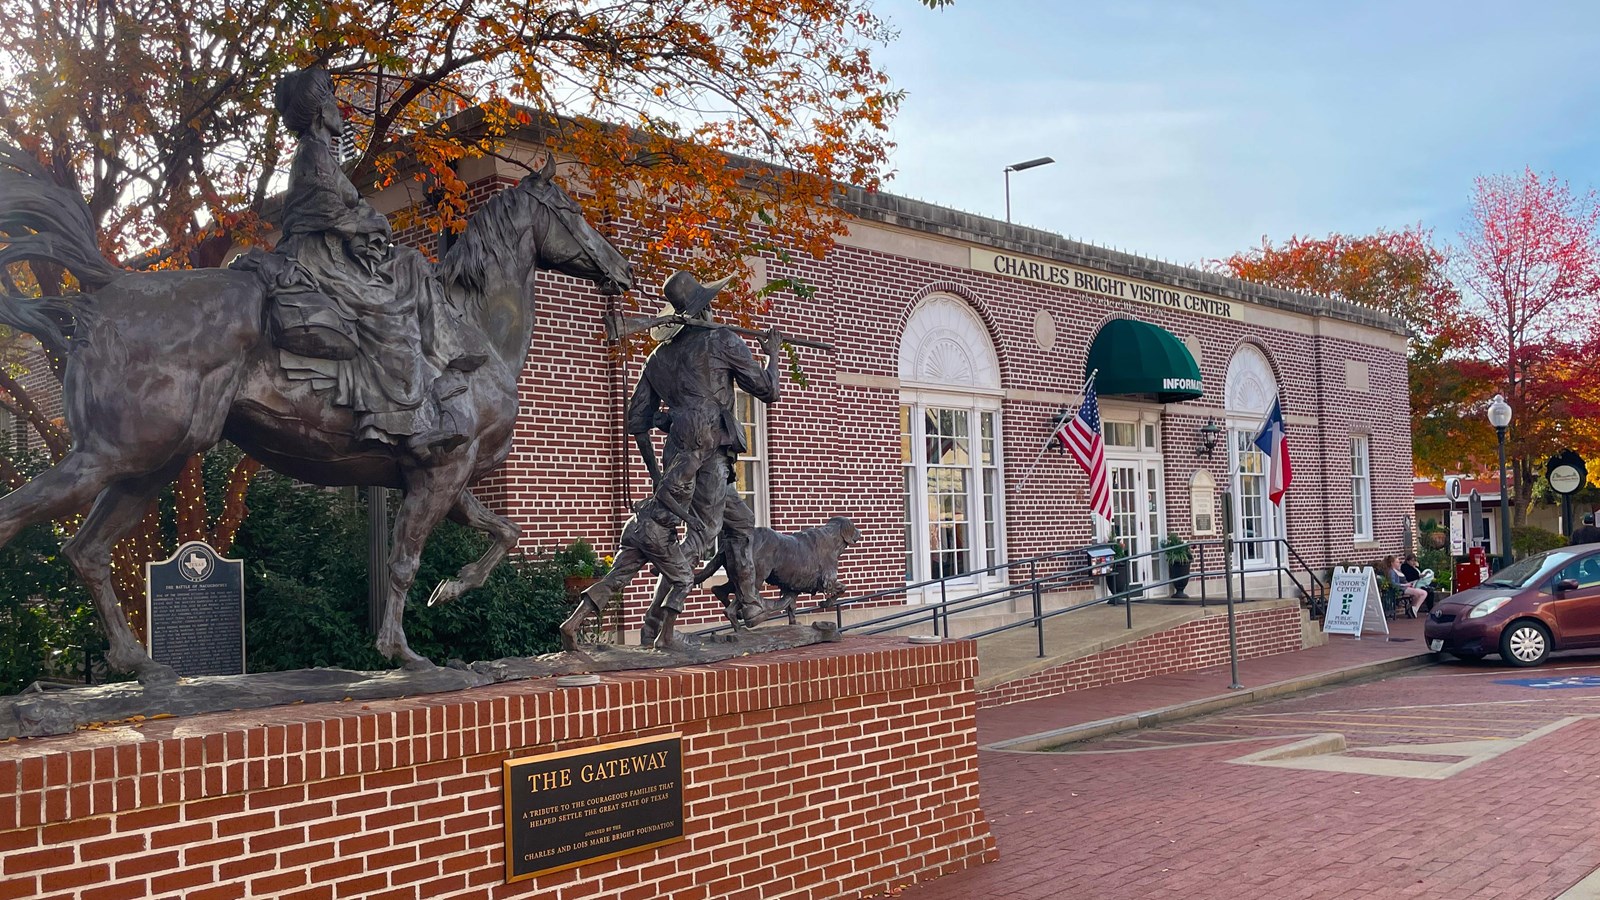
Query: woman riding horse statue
point(163, 365)
point(349, 309)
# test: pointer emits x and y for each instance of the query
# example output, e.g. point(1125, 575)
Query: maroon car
point(1526, 611)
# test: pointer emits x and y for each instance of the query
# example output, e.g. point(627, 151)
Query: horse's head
point(568, 243)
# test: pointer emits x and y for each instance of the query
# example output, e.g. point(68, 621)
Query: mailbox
point(1100, 557)
point(1480, 558)
point(1468, 576)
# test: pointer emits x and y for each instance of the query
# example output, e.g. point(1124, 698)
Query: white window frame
point(1273, 517)
point(755, 456)
point(980, 554)
point(1361, 487)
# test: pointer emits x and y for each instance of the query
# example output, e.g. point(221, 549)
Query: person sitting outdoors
point(1588, 534)
point(1397, 579)
point(1413, 573)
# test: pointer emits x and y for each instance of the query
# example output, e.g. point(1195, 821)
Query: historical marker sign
point(194, 611)
point(565, 809)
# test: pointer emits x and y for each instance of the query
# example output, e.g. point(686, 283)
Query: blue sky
point(1189, 129)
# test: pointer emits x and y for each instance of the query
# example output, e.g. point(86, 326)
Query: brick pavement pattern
point(1185, 821)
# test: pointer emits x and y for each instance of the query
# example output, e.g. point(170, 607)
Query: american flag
point(1081, 435)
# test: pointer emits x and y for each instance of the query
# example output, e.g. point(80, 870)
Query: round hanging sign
point(1566, 472)
point(1565, 479)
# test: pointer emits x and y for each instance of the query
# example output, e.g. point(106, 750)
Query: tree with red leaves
point(1530, 269)
point(1404, 274)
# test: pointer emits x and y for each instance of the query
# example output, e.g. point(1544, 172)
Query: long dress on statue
point(344, 244)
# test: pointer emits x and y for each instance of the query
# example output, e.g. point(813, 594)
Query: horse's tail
point(49, 319)
point(43, 221)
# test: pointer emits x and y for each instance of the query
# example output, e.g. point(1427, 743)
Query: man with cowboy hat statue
point(693, 373)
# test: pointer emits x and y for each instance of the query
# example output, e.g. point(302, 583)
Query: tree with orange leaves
point(726, 125)
point(1404, 274)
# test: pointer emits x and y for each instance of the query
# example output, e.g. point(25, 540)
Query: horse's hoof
point(152, 673)
point(415, 663)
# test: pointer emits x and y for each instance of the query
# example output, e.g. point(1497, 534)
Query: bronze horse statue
point(163, 365)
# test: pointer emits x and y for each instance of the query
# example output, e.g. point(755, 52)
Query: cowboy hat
point(688, 296)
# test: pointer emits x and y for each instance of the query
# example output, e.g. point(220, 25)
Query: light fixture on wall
point(1208, 437)
point(1056, 421)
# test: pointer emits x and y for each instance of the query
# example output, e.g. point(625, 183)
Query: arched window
point(1250, 389)
point(949, 441)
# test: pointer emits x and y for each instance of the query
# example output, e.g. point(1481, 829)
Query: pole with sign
point(1566, 473)
point(1475, 520)
point(1452, 489)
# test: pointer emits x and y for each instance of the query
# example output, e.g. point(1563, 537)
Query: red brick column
point(832, 771)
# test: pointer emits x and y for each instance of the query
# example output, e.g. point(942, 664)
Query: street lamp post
point(1500, 417)
point(1018, 167)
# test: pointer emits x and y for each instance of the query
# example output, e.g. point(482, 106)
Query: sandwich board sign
point(1353, 602)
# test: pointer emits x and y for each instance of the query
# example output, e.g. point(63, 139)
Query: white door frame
point(1144, 455)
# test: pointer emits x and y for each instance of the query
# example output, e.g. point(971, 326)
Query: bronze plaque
point(565, 809)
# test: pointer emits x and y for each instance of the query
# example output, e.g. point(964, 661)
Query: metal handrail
point(938, 614)
point(838, 606)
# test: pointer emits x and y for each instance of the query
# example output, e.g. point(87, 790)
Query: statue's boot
point(753, 614)
point(456, 418)
point(573, 626)
point(665, 639)
point(651, 626)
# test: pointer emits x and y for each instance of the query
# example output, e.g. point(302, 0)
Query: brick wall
point(1193, 645)
point(834, 771)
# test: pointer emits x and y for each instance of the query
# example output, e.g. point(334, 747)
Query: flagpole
point(1052, 436)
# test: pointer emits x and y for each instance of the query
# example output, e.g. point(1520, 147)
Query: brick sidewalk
point(1186, 822)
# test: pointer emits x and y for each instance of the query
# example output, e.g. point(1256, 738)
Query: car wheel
point(1525, 643)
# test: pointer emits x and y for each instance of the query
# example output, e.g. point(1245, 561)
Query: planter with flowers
point(584, 567)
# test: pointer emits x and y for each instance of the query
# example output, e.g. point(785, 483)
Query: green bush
point(305, 553)
point(1531, 539)
point(1443, 567)
point(305, 556)
point(47, 626)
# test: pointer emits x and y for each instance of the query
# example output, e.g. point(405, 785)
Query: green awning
point(1141, 359)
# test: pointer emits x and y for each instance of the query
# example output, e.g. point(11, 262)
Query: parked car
point(1547, 602)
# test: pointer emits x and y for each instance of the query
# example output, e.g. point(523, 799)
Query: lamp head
point(1208, 437)
point(1499, 412)
point(1018, 167)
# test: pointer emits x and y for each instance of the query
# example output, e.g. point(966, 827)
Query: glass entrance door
point(1136, 511)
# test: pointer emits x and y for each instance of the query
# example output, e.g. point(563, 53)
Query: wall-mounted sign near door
point(576, 806)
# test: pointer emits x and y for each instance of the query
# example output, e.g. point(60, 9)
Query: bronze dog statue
point(806, 562)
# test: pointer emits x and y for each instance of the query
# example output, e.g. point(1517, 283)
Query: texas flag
point(1274, 442)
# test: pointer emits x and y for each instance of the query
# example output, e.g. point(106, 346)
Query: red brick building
point(959, 340)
